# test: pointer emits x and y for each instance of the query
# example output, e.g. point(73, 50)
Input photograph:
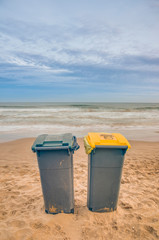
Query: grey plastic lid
point(46, 141)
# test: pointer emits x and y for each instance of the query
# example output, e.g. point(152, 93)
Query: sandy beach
point(22, 213)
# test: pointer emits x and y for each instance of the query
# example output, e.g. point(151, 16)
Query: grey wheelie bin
point(55, 160)
point(105, 161)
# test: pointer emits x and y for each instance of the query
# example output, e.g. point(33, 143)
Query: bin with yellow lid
point(106, 153)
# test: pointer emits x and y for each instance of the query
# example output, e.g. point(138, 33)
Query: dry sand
point(22, 213)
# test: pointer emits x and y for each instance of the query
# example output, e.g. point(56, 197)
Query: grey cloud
point(81, 52)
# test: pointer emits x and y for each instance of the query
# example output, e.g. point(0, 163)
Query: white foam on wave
point(79, 120)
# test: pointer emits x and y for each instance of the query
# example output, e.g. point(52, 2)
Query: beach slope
point(22, 212)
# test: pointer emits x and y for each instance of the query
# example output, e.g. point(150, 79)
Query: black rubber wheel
point(91, 209)
point(72, 210)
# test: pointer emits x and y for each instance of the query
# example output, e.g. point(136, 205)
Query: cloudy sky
point(87, 50)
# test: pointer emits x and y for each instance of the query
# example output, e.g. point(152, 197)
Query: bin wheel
point(72, 210)
point(50, 212)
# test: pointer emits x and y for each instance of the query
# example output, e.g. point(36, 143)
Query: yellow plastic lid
point(111, 139)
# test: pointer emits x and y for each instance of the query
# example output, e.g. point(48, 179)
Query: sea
point(136, 121)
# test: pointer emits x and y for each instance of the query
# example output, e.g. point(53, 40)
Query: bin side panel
point(54, 159)
point(57, 187)
point(105, 170)
point(104, 189)
point(105, 157)
point(89, 179)
point(72, 184)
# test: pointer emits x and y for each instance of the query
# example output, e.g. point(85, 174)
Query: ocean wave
point(34, 117)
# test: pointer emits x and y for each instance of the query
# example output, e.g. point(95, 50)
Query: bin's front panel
point(54, 159)
point(104, 189)
point(57, 190)
point(104, 176)
point(56, 172)
point(107, 157)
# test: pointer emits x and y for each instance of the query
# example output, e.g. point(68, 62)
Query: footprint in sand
point(41, 226)
point(24, 233)
point(152, 231)
point(57, 231)
point(114, 225)
point(16, 223)
point(123, 181)
point(12, 213)
point(5, 166)
point(3, 214)
point(125, 205)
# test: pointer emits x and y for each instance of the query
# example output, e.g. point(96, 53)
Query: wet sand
point(22, 213)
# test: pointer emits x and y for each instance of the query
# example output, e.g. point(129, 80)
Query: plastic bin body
point(104, 175)
point(56, 173)
point(55, 160)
